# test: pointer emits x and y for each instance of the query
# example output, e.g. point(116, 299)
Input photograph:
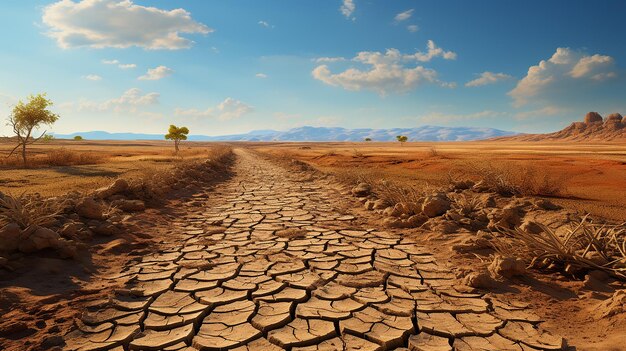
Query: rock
point(69, 230)
point(361, 190)
point(41, 238)
point(388, 212)
point(105, 229)
point(435, 206)
point(546, 205)
point(129, 205)
point(441, 226)
point(531, 227)
point(392, 222)
point(10, 237)
point(380, 204)
point(614, 305)
point(481, 241)
point(462, 184)
point(416, 220)
point(480, 280)
point(89, 208)
point(592, 117)
point(507, 217)
point(507, 267)
point(369, 205)
point(613, 117)
point(596, 281)
point(51, 341)
point(118, 186)
point(69, 249)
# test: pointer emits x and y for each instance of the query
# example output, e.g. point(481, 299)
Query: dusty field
point(592, 177)
point(273, 255)
point(105, 160)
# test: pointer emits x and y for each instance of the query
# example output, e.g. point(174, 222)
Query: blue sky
point(223, 67)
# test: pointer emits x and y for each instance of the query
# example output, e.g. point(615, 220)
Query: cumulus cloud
point(347, 8)
point(403, 16)
point(129, 101)
point(119, 24)
point(261, 75)
point(413, 28)
point(93, 77)
point(432, 52)
point(228, 109)
point(565, 72)
point(486, 78)
point(265, 24)
point(387, 72)
point(157, 73)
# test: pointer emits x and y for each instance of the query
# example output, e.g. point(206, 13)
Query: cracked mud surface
point(236, 279)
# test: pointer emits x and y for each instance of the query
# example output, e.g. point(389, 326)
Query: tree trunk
point(24, 153)
point(176, 145)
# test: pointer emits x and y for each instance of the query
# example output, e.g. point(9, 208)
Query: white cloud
point(387, 71)
point(228, 109)
point(261, 75)
point(157, 73)
point(413, 28)
point(329, 59)
point(593, 67)
point(265, 24)
point(565, 72)
point(93, 77)
point(403, 16)
point(128, 102)
point(127, 65)
point(486, 78)
point(119, 64)
point(119, 24)
point(347, 8)
point(433, 52)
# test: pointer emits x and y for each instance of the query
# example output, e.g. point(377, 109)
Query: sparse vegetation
point(402, 139)
point(584, 246)
point(47, 138)
point(28, 211)
point(176, 134)
point(368, 139)
point(26, 117)
point(508, 179)
point(55, 158)
point(78, 138)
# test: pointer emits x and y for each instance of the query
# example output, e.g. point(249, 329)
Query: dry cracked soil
point(274, 263)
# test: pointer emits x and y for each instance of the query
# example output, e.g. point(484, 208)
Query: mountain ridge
point(309, 133)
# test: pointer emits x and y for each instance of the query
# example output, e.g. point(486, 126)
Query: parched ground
point(274, 259)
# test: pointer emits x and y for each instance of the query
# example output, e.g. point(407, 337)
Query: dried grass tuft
point(586, 245)
point(29, 211)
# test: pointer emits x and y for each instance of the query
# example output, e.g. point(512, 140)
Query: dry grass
point(585, 245)
point(508, 179)
point(154, 182)
point(53, 158)
point(29, 211)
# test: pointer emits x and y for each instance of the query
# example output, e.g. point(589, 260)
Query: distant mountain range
point(424, 133)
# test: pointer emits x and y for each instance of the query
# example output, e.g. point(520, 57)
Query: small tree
point(78, 138)
point(368, 139)
point(176, 134)
point(28, 116)
point(402, 139)
point(47, 138)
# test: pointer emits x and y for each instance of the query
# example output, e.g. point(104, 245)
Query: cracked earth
point(272, 263)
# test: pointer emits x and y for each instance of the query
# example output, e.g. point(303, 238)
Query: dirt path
point(234, 278)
